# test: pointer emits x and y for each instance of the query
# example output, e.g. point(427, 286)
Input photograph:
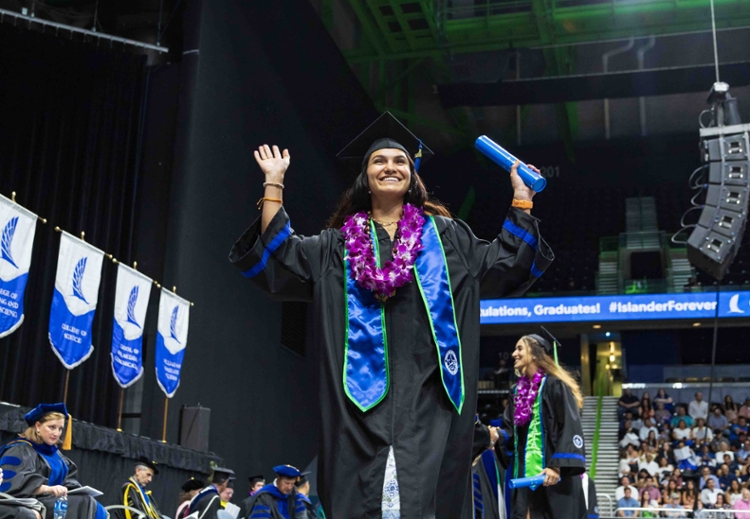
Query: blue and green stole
point(366, 370)
point(534, 453)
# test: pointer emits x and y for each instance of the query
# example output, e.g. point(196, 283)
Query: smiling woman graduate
point(395, 285)
point(33, 466)
point(542, 434)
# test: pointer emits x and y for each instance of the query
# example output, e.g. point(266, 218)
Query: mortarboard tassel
point(418, 157)
point(554, 347)
point(68, 441)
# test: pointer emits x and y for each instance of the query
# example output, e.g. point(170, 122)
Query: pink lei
point(360, 252)
point(525, 396)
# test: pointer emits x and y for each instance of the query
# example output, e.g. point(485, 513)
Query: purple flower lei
point(525, 396)
point(394, 273)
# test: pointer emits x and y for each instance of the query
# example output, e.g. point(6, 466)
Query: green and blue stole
point(366, 373)
point(534, 453)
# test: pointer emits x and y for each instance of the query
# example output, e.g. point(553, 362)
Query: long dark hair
point(357, 198)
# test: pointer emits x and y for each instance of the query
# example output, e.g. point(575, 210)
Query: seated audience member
point(648, 426)
point(625, 426)
point(661, 414)
point(717, 421)
point(690, 500)
point(730, 408)
point(724, 451)
point(278, 499)
point(698, 408)
point(665, 469)
point(706, 457)
point(652, 441)
point(739, 441)
point(627, 501)
point(624, 466)
point(649, 465)
point(706, 476)
point(744, 453)
point(701, 432)
point(620, 491)
point(665, 451)
point(187, 492)
point(627, 403)
point(725, 477)
point(637, 422)
point(677, 476)
point(207, 502)
point(682, 433)
point(745, 409)
point(633, 458)
point(709, 493)
point(675, 421)
point(664, 399)
point(738, 428)
point(135, 495)
point(15, 511)
point(719, 438)
point(668, 488)
point(672, 506)
point(646, 402)
point(651, 489)
point(630, 438)
point(734, 467)
point(721, 504)
point(652, 507)
point(734, 492)
point(40, 470)
point(743, 504)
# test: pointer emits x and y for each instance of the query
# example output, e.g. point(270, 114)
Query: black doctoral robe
point(563, 449)
point(15, 511)
point(206, 502)
point(30, 470)
point(131, 496)
point(432, 443)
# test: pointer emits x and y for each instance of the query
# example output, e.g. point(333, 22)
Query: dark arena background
point(135, 122)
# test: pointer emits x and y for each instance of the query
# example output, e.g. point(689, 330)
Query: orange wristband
point(264, 199)
point(522, 204)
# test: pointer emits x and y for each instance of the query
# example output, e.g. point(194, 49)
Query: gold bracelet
point(274, 184)
point(522, 204)
point(264, 199)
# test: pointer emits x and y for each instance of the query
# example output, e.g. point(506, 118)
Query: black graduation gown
point(563, 449)
point(592, 503)
point(131, 496)
point(15, 511)
point(30, 471)
point(206, 502)
point(431, 441)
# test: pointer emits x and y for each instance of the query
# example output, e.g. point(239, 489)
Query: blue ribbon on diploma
point(533, 483)
point(505, 160)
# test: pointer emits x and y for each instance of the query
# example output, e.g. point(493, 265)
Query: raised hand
point(520, 190)
point(272, 162)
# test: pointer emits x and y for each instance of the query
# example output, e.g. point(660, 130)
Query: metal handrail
point(701, 512)
point(610, 506)
point(657, 510)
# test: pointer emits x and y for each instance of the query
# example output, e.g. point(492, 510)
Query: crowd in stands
point(678, 459)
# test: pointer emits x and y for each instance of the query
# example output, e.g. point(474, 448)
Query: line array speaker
point(716, 239)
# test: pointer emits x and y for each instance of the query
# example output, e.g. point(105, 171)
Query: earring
point(369, 192)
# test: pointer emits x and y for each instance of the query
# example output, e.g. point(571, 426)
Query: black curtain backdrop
point(71, 114)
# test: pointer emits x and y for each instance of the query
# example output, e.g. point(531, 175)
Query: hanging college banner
point(79, 270)
point(131, 302)
point(17, 228)
point(171, 340)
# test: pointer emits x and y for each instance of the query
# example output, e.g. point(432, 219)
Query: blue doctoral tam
point(287, 471)
point(35, 414)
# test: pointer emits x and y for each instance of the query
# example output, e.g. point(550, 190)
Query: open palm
point(272, 162)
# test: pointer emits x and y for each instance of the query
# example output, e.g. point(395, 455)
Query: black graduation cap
point(145, 462)
point(254, 479)
point(192, 484)
point(222, 474)
point(302, 479)
point(385, 132)
point(548, 342)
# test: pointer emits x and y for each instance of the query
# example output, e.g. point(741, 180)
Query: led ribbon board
point(615, 308)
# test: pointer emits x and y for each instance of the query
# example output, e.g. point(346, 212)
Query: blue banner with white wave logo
point(171, 340)
point(641, 307)
point(17, 229)
point(79, 270)
point(131, 303)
